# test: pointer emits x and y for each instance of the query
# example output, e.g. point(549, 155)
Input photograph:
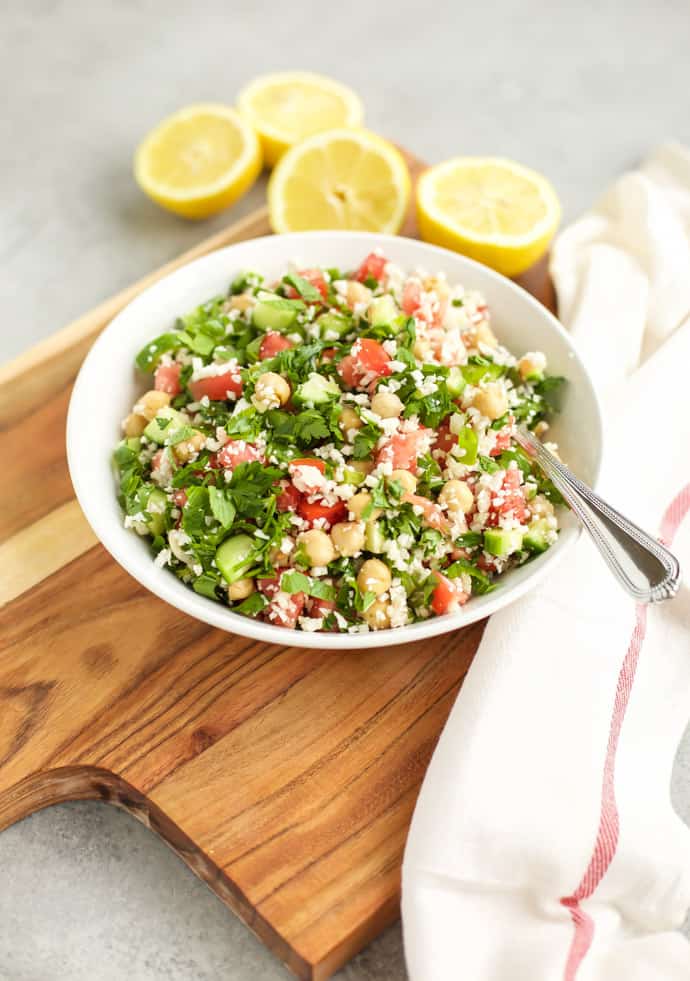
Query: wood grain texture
point(285, 778)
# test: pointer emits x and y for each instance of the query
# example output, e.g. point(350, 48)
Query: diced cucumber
point(333, 325)
point(275, 314)
point(133, 443)
point(316, 390)
point(355, 477)
point(468, 441)
point(456, 382)
point(537, 536)
point(373, 537)
point(235, 557)
point(503, 541)
point(382, 311)
point(155, 508)
point(530, 490)
point(475, 373)
point(159, 433)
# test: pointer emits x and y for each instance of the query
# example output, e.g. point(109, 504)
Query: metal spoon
point(642, 565)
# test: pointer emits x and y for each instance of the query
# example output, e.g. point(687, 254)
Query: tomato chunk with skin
point(319, 609)
point(412, 297)
point(313, 276)
point(313, 511)
point(179, 497)
point(217, 387)
point(167, 379)
point(238, 451)
point(366, 362)
point(403, 449)
point(412, 301)
point(284, 610)
point(447, 596)
point(289, 497)
point(504, 438)
point(372, 267)
point(445, 439)
point(303, 476)
point(272, 344)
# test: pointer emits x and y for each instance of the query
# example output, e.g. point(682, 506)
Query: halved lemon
point(344, 178)
point(492, 210)
point(198, 161)
point(286, 107)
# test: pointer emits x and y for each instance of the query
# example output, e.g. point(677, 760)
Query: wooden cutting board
point(284, 778)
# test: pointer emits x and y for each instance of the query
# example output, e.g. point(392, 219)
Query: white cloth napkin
point(544, 844)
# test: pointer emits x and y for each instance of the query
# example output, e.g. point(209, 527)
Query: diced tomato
point(272, 344)
point(312, 511)
point(217, 387)
point(284, 612)
point(504, 438)
point(313, 276)
point(447, 596)
point(238, 451)
point(372, 268)
point(412, 297)
point(402, 450)
point(289, 497)
point(367, 362)
point(180, 497)
point(412, 301)
point(445, 439)
point(486, 563)
point(297, 472)
point(167, 379)
point(321, 608)
point(510, 498)
point(328, 354)
point(433, 515)
point(157, 459)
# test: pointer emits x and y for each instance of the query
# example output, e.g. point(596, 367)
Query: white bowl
point(108, 385)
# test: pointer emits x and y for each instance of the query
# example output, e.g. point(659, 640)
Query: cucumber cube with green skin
point(133, 443)
point(333, 325)
point(159, 433)
point(455, 382)
point(382, 311)
point(503, 541)
point(373, 537)
point(235, 557)
point(316, 390)
point(275, 314)
point(155, 509)
point(537, 536)
point(355, 477)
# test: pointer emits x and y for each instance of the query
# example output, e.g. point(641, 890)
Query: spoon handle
point(642, 565)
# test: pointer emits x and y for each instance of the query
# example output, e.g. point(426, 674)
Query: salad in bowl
point(331, 449)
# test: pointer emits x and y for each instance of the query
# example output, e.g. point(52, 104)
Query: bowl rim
point(115, 538)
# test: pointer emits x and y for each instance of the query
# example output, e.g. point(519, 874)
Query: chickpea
point(348, 537)
point(317, 546)
point(241, 589)
point(541, 507)
point(189, 448)
point(357, 293)
point(134, 424)
point(374, 577)
point(358, 504)
point(271, 390)
point(407, 480)
point(377, 615)
point(151, 403)
point(387, 405)
point(541, 428)
point(531, 366)
point(491, 401)
point(361, 466)
point(421, 349)
point(349, 419)
point(486, 336)
point(456, 496)
point(242, 301)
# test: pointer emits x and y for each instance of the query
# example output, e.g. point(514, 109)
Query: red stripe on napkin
point(607, 834)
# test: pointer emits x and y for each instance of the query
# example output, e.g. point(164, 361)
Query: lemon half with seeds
point(344, 178)
point(286, 107)
point(492, 210)
point(199, 160)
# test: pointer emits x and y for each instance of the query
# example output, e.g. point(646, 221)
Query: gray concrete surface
point(579, 90)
